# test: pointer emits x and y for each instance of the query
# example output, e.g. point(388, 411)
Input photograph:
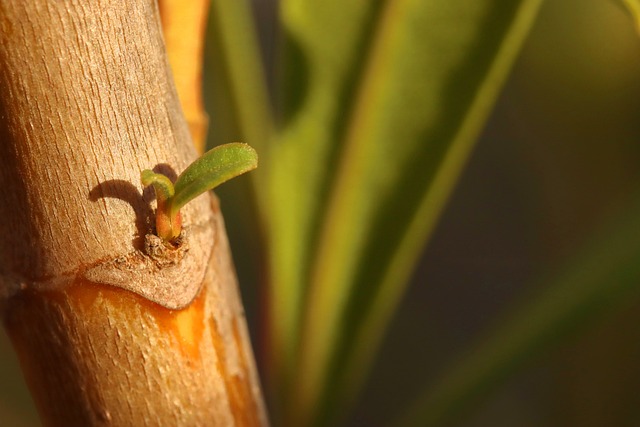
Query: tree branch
point(86, 103)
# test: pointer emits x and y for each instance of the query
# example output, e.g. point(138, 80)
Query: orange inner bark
point(241, 398)
point(185, 325)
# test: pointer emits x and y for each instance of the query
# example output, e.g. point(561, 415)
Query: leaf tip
point(146, 177)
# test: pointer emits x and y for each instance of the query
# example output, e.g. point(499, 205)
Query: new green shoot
point(215, 167)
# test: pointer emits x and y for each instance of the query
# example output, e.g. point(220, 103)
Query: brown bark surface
point(97, 355)
point(106, 334)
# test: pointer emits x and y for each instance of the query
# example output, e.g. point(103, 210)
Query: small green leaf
point(212, 169)
point(216, 166)
point(162, 184)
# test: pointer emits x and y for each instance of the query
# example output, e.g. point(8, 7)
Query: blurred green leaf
point(426, 176)
point(431, 73)
point(16, 405)
point(634, 8)
point(237, 100)
point(234, 54)
point(605, 276)
point(321, 57)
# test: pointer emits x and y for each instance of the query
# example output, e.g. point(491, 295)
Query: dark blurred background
point(559, 156)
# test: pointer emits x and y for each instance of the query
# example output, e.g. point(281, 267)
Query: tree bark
point(108, 333)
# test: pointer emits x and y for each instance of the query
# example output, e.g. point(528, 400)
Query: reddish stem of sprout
point(167, 229)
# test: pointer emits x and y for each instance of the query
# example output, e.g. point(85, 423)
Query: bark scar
point(169, 277)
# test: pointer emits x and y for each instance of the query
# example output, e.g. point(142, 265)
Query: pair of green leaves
point(215, 167)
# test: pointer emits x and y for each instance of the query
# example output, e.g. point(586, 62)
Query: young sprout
point(216, 166)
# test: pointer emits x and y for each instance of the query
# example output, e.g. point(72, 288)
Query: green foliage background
point(348, 183)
